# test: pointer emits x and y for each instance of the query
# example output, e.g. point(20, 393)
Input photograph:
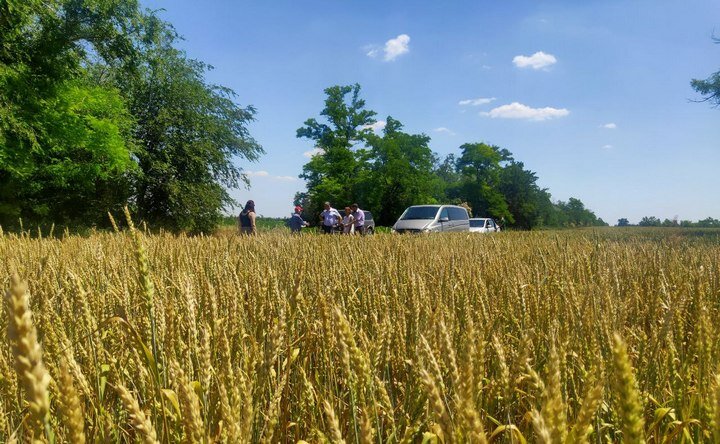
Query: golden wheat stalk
point(70, 406)
point(28, 357)
point(141, 423)
point(626, 394)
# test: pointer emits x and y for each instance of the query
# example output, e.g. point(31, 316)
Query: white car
point(483, 225)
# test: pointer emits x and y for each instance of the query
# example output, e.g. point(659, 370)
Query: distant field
point(600, 335)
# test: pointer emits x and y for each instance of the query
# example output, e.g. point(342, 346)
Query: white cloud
point(517, 110)
point(607, 147)
point(393, 48)
point(396, 47)
point(442, 129)
point(538, 60)
point(476, 102)
point(376, 127)
point(267, 176)
point(313, 152)
point(610, 126)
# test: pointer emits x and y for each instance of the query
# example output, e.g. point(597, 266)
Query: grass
point(576, 336)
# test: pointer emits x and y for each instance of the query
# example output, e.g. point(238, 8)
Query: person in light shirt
point(348, 222)
point(330, 218)
point(359, 217)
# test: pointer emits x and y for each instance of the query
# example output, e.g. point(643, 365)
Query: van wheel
point(370, 231)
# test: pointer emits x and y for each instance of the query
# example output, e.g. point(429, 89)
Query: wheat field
point(572, 336)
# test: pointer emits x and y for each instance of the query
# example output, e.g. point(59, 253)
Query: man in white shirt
point(330, 218)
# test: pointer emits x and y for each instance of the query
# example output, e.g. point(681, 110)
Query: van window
point(444, 214)
point(417, 213)
point(457, 213)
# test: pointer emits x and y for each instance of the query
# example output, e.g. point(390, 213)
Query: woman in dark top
point(246, 219)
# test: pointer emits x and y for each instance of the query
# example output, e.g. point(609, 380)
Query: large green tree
point(337, 171)
point(190, 134)
point(98, 109)
point(526, 201)
point(65, 143)
point(480, 167)
point(401, 172)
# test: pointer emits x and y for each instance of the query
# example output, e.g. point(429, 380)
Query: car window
point(368, 215)
point(444, 214)
point(457, 213)
point(414, 213)
point(476, 223)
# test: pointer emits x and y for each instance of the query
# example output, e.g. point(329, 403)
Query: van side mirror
point(444, 219)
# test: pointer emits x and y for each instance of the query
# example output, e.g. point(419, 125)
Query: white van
point(432, 218)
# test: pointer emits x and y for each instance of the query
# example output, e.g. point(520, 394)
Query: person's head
point(348, 210)
point(354, 207)
point(249, 206)
point(326, 205)
point(298, 209)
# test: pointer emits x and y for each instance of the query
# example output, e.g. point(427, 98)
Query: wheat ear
point(28, 356)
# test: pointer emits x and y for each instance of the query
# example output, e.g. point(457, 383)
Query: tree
point(400, 172)
point(65, 143)
point(574, 214)
point(623, 222)
point(190, 134)
point(710, 87)
point(525, 199)
point(649, 221)
point(479, 166)
point(337, 172)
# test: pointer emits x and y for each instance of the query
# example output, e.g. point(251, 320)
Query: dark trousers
point(327, 229)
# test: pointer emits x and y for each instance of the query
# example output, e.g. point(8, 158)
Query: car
point(432, 219)
point(483, 225)
point(369, 227)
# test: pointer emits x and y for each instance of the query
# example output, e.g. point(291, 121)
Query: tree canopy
point(98, 110)
point(387, 172)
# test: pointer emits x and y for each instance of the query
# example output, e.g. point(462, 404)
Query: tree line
point(99, 109)
point(652, 221)
point(388, 172)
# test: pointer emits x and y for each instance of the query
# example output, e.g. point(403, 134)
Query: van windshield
point(416, 213)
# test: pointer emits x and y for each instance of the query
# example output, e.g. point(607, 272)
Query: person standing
point(296, 221)
point(348, 222)
point(246, 219)
point(359, 219)
point(330, 218)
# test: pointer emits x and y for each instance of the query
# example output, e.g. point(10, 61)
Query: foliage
point(190, 135)
point(334, 174)
point(572, 335)
point(98, 110)
point(651, 221)
point(710, 87)
point(400, 172)
point(574, 214)
point(387, 173)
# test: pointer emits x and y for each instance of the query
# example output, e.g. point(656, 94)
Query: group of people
point(353, 222)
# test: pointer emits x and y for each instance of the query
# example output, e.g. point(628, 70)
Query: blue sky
point(594, 96)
